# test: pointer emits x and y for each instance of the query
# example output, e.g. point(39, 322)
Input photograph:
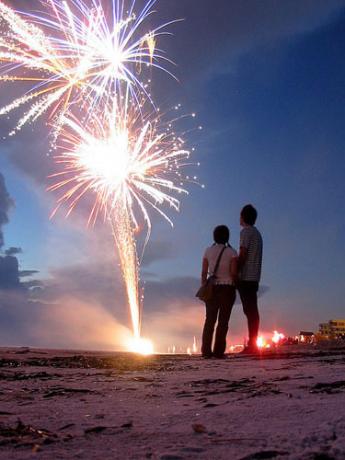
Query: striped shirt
point(251, 240)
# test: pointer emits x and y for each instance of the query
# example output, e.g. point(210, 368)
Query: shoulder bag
point(206, 291)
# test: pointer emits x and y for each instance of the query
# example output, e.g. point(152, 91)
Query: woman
point(220, 305)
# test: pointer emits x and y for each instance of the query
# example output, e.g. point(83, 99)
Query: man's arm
point(244, 244)
point(204, 271)
point(234, 269)
point(242, 257)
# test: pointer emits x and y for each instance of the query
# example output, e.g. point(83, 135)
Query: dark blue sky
point(267, 80)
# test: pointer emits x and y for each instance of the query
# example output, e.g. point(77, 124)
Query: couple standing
point(232, 271)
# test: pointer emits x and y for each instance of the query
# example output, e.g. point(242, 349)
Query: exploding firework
point(74, 53)
point(130, 165)
point(125, 159)
point(83, 65)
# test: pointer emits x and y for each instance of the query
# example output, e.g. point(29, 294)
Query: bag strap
point(218, 261)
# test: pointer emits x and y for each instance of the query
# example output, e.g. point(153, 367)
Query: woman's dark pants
point(219, 307)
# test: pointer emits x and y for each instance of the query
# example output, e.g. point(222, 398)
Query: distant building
point(333, 329)
point(306, 337)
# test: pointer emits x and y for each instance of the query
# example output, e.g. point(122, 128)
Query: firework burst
point(75, 53)
point(128, 164)
point(121, 158)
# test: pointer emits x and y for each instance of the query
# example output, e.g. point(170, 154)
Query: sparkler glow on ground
point(264, 342)
point(84, 62)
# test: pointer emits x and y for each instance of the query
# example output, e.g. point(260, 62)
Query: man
point(249, 262)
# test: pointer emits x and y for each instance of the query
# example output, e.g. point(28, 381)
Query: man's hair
point(221, 234)
point(249, 214)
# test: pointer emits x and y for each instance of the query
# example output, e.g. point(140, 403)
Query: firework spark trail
point(128, 165)
point(72, 54)
point(126, 248)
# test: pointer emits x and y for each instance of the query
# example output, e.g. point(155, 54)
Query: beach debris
point(192, 450)
point(170, 457)
point(140, 378)
point(25, 435)
point(95, 429)
point(199, 428)
point(184, 394)
point(265, 454)
point(211, 387)
point(18, 376)
point(22, 351)
point(127, 425)
point(65, 427)
point(329, 388)
point(60, 391)
point(233, 440)
point(35, 448)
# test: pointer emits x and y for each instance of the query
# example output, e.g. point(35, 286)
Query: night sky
point(267, 81)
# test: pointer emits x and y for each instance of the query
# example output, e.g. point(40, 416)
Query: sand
point(285, 404)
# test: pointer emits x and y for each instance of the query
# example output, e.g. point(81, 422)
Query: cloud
point(160, 294)
point(6, 203)
point(232, 28)
point(13, 251)
point(80, 324)
point(27, 273)
point(83, 306)
point(29, 152)
point(70, 323)
point(9, 273)
point(158, 250)
point(97, 282)
point(176, 325)
point(11, 276)
point(73, 307)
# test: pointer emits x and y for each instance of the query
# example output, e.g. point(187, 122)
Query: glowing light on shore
point(266, 342)
point(74, 52)
point(260, 342)
point(277, 337)
point(141, 346)
point(195, 346)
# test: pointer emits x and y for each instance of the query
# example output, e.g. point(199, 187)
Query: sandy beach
point(287, 404)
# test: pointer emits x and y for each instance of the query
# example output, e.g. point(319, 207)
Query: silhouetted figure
point(249, 266)
point(220, 306)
